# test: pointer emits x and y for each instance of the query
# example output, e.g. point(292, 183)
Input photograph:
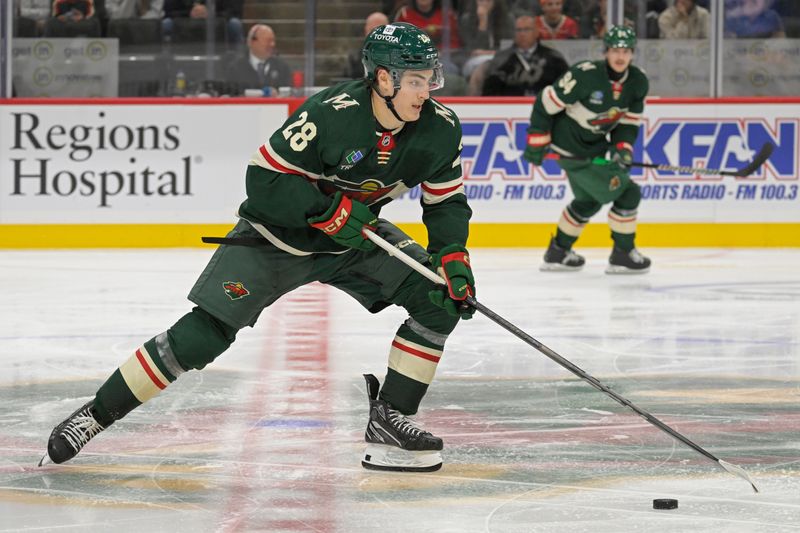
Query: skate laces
point(404, 424)
point(81, 429)
point(570, 256)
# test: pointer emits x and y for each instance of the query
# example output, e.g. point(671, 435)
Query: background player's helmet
point(620, 37)
point(400, 47)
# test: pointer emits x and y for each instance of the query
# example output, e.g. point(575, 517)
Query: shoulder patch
point(341, 101)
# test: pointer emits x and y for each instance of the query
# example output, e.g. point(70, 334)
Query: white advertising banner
point(146, 164)
point(162, 163)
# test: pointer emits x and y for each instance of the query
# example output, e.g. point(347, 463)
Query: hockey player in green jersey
point(594, 108)
point(312, 188)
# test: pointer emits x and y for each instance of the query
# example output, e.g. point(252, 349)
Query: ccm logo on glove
point(339, 219)
point(344, 222)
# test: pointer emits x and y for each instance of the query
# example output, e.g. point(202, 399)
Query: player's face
point(414, 90)
point(619, 58)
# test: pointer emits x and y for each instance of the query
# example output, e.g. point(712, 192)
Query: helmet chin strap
point(388, 99)
point(390, 104)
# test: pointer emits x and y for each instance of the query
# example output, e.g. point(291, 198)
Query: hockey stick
point(514, 330)
point(757, 161)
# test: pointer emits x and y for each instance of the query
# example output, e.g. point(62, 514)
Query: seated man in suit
point(260, 67)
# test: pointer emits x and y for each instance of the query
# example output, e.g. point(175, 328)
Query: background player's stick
point(754, 165)
point(514, 330)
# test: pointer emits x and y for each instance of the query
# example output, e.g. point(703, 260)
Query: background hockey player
point(312, 188)
point(594, 108)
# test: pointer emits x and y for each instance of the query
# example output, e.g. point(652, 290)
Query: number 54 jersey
point(584, 110)
point(333, 143)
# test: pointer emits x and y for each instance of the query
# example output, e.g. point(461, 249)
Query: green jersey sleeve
point(627, 129)
point(571, 87)
point(445, 211)
point(292, 161)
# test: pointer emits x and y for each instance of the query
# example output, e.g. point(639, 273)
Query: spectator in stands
point(752, 19)
point(684, 20)
point(228, 10)
point(593, 22)
point(653, 9)
point(134, 23)
point(135, 9)
point(553, 23)
point(526, 67)
point(484, 27)
point(260, 67)
point(73, 18)
point(355, 68)
point(391, 7)
point(427, 15)
point(789, 11)
point(32, 15)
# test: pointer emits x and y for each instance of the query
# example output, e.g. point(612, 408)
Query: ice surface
point(269, 437)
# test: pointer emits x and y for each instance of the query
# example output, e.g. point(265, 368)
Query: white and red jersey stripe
point(551, 102)
point(268, 158)
point(433, 193)
point(634, 119)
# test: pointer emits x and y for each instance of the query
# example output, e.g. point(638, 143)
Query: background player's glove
point(344, 221)
point(452, 263)
point(536, 148)
point(622, 154)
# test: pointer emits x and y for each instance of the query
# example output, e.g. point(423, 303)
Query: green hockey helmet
point(399, 47)
point(620, 37)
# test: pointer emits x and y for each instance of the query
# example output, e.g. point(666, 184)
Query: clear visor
point(417, 80)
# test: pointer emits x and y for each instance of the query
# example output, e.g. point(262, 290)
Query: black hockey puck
point(665, 503)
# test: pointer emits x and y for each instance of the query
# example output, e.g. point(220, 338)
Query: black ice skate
point(72, 434)
point(622, 262)
point(558, 259)
point(394, 442)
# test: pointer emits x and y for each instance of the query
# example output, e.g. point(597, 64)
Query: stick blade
point(760, 158)
point(737, 471)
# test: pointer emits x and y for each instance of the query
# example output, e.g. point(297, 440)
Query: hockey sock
point(417, 346)
point(193, 342)
point(413, 359)
point(570, 226)
point(623, 227)
point(137, 380)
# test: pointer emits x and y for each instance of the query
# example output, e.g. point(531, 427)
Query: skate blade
point(615, 269)
point(45, 460)
point(393, 459)
point(558, 267)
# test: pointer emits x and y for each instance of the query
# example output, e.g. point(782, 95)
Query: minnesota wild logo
point(235, 289)
point(614, 184)
point(611, 116)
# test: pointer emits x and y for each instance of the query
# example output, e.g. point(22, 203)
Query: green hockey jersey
point(333, 143)
point(584, 110)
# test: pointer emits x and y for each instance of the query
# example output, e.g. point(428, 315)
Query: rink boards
point(163, 172)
